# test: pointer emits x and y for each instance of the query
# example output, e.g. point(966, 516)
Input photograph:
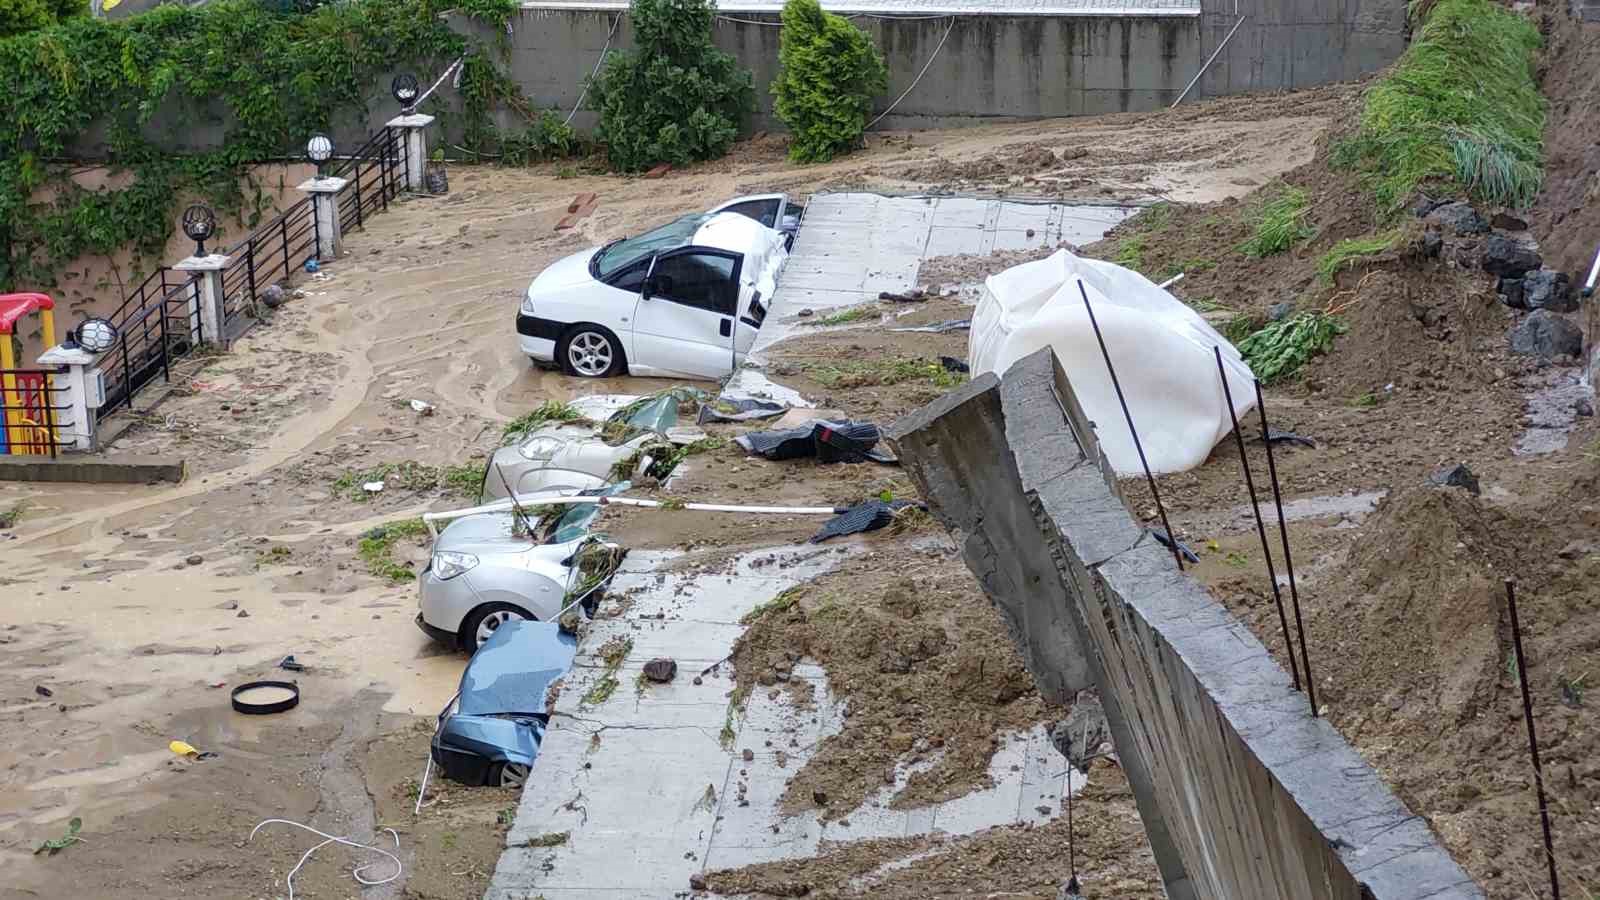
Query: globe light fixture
point(319, 150)
point(405, 90)
point(199, 223)
point(96, 335)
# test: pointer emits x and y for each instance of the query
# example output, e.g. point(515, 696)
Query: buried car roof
point(512, 670)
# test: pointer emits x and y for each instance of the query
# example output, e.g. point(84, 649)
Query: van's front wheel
point(590, 351)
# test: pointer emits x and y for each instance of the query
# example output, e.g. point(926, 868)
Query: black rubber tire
point(496, 774)
point(467, 638)
point(264, 709)
point(619, 361)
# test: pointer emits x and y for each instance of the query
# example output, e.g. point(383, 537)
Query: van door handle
point(726, 328)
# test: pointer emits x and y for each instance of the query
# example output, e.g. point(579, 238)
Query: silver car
point(487, 569)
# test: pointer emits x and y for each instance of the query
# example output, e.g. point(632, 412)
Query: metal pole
point(49, 398)
point(283, 235)
point(1196, 79)
point(1288, 560)
point(1533, 739)
point(1261, 528)
point(250, 265)
point(1177, 555)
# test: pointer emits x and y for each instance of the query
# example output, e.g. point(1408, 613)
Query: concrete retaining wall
point(1243, 793)
point(1294, 44)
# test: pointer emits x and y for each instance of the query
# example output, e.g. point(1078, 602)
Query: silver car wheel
point(590, 354)
point(493, 621)
point(513, 775)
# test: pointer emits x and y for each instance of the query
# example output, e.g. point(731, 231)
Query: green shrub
point(18, 16)
point(831, 71)
point(1461, 107)
point(548, 137)
point(1280, 348)
point(1280, 224)
point(675, 98)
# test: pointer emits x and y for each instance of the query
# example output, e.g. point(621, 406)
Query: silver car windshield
point(670, 236)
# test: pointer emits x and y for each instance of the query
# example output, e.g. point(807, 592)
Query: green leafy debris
point(56, 845)
point(1280, 223)
point(1351, 252)
point(1280, 348)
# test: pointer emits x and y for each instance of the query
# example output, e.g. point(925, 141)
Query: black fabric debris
point(743, 410)
point(829, 442)
point(1288, 437)
point(868, 516)
point(1166, 541)
point(951, 364)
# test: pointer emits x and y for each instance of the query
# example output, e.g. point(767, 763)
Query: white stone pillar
point(414, 135)
point(75, 382)
point(208, 297)
point(325, 203)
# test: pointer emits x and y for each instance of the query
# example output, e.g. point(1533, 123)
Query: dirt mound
point(923, 663)
point(1566, 216)
point(1026, 159)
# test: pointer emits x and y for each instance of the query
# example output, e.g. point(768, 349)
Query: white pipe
point(534, 499)
point(1171, 281)
point(1196, 79)
point(1594, 273)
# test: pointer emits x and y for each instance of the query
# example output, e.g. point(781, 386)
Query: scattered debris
point(1457, 475)
point(1547, 336)
point(1288, 437)
point(863, 517)
point(1166, 541)
point(739, 409)
point(550, 839)
point(915, 295)
point(194, 559)
point(951, 364)
point(356, 873)
point(661, 671)
point(289, 663)
point(658, 171)
point(421, 408)
point(373, 487)
point(829, 442)
point(946, 326)
point(43, 691)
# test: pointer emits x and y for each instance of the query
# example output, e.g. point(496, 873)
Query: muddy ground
point(128, 603)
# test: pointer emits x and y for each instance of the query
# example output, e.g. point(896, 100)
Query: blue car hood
point(512, 670)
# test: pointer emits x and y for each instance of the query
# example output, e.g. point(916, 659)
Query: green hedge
point(831, 71)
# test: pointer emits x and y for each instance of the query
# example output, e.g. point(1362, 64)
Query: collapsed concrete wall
point(1243, 793)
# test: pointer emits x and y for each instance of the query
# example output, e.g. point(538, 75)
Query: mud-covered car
point(490, 731)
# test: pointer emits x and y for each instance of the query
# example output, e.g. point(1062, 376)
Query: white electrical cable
point(356, 872)
point(918, 79)
point(616, 20)
point(447, 71)
point(538, 500)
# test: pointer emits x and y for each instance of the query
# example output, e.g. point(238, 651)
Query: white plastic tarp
point(1162, 350)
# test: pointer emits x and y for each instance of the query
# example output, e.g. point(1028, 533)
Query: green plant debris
point(880, 373)
point(1206, 304)
point(665, 456)
point(844, 316)
point(728, 734)
point(448, 840)
point(1572, 688)
point(1280, 223)
point(1351, 252)
point(1153, 218)
point(566, 172)
point(505, 817)
point(11, 517)
point(1196, 266)
point(1237, 560)
point(674, 503)
point(1461, 108)
point(913, 520)
point(612, 653)
point(1367, 400)
point(277, 553)
point(550, 839)
point(410, 475)
point(781, 603)
point(1280, 348)
point(376, 549)
point(1240, 327)
point(548, 411)
point(56, 845)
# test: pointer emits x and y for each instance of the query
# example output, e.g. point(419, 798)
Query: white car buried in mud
point(684, 300)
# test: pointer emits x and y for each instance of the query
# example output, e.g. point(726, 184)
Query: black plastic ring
point(262, 709)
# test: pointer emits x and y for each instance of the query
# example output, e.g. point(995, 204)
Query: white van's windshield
point(674, 234)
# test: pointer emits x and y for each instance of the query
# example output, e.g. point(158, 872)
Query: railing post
point(325, 208)
point(250, 265)
point(414, 131)
point(209, 295)
point(75, 364)
point(383, 171)
point(356, 171)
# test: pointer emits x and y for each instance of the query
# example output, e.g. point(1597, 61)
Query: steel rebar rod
point(1533, 739)
point(1288, 557)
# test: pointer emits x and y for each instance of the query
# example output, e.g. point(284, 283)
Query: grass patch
point(882, 373)
point(548, 411)
point(1461, 108)
point(1205, 304)
point(1279, 349)
point(1280, 224)
point(1352, 252)
point(1367, 400)
point(612, 653)
point(410, 475)
point(845, 316)
point(778, 604)
point(674, 503)
point(12, 516)
point(1130, 253)
point(1153, 218)
point(376, 549)
point(1240, 327)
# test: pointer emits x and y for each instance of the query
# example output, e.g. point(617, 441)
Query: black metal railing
point(33, 416)
point(148, 342)
point(270, 255)
point(376, 174)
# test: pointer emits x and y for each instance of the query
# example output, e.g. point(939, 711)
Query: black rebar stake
point(1172, 536)
point(1072, 838)
point(1261, 528)
point(1288, 558)
point(1533, 740)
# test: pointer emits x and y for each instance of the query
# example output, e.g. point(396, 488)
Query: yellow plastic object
point(182, 749)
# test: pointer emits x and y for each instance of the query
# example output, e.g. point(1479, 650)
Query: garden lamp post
point(405, 90)
point(319, 150)
point(199, 223)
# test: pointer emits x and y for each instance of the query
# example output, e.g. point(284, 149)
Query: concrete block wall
point(1295, 44)
point(1244, 795)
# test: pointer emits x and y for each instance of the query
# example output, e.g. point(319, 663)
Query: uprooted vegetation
point(412, 476)
point(377, 547)
point(925, 666)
